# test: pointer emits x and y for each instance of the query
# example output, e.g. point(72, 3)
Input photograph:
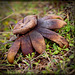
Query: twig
point(13, 38)
point(67, 70)
point(72, 71)
point(49, 60)
point(5, 32)
point(67, 53)
point(37, 57)
point(6, 42)
point(7, 17)
point(47, 56)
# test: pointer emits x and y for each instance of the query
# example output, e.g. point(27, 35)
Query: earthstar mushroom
point(32, 31)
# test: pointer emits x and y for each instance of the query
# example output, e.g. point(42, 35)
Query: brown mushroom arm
point(51, 23)
point(37, 41)
point(13, 51)
point(25, 28)
point(53, 36)
point(26, 45)
point(52, 17)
